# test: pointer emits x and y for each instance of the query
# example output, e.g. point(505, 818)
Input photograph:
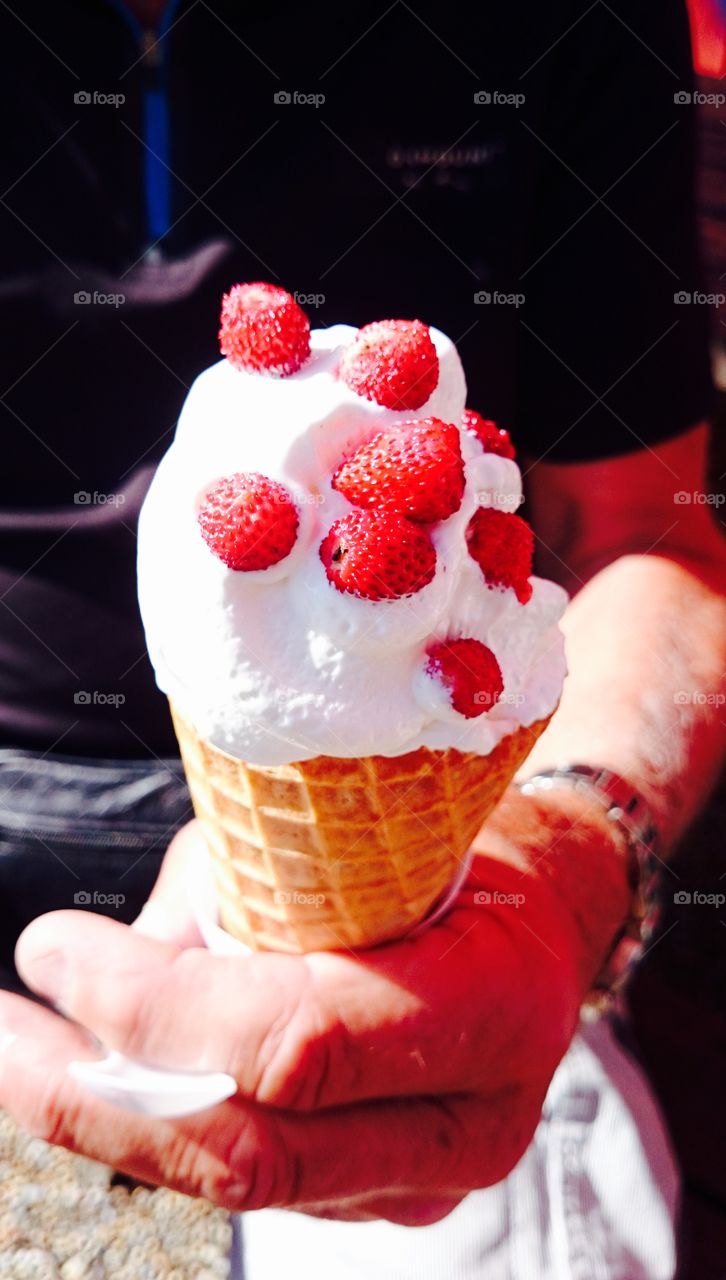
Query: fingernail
point(92, 1039)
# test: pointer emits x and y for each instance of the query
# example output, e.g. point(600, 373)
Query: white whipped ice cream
point(279, 665)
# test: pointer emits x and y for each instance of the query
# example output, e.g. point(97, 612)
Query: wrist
point(566, 841)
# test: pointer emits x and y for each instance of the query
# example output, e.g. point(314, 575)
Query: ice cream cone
point(331, 852)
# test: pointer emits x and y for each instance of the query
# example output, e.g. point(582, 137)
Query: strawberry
point(492, 438)
point(248, 521)
point(392, 362)
point(377, 555)
point(503, 547)
point(469, 671)
point(413, 469)
point(263, 329)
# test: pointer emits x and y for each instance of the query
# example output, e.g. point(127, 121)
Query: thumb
point(168, 914)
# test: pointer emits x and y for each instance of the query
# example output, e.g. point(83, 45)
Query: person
point(523, 181)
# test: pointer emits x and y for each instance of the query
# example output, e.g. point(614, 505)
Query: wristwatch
point(629, 811)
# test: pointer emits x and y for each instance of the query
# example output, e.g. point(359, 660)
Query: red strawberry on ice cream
point(330, 559)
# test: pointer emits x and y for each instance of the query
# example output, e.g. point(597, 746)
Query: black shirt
point(519, 176)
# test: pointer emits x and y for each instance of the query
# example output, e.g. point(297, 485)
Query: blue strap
point(156, 125)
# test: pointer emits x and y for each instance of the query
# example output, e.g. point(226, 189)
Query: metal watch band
point(630, 812)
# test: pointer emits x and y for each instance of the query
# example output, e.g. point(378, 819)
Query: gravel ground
point(61, 1218)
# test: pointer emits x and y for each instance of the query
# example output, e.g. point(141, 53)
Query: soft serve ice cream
point(330, 560)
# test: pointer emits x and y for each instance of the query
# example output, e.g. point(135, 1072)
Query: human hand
point(379, 1084)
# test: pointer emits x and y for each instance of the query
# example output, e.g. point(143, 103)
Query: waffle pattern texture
point(331, 852)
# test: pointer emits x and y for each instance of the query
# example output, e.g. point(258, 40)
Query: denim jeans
point(81, 833)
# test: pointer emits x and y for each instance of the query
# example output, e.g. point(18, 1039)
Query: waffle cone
point(331, 852)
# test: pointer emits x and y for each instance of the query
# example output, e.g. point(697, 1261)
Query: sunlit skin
point(389, 1084)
